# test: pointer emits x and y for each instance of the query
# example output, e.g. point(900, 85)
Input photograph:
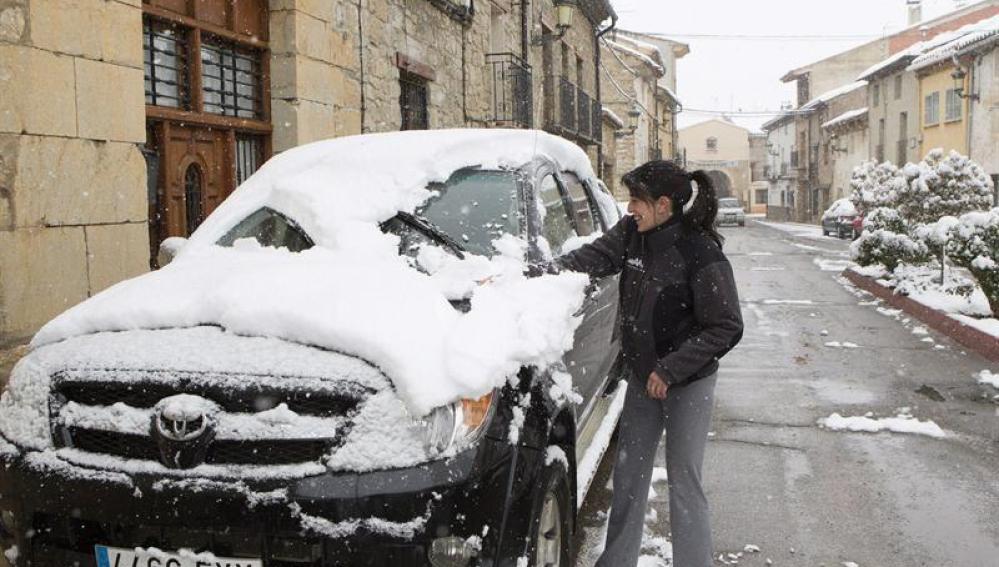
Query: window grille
point(898, 86)
point(230, 80)
point(413, 101)
point(192, 198)
point(164, 63)
point(249, 154)
point(712, 144)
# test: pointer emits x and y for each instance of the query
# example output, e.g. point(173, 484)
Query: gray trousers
point(686, 416)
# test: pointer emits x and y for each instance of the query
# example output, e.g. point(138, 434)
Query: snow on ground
point(837, 344)
point(827, 265)
point(799, 230)
point(987, 377)
point(788, 302)
point(901, 423)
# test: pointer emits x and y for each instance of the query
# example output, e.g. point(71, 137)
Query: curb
point(972, 338)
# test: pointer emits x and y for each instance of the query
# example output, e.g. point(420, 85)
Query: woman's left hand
point(656, 387)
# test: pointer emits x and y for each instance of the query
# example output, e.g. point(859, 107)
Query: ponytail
point(701, 211)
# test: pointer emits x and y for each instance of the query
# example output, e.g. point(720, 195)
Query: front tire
point(551, 538)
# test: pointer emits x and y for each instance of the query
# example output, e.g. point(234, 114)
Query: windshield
point(269, 228)
point(728, 203)
point(474, 207)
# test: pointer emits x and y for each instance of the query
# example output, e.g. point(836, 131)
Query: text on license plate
point(118, 557)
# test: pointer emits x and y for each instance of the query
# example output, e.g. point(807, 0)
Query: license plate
point(118, 557)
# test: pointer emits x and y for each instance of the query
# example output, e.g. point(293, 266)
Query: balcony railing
point(794, 158)
point(583, 113)
point(567, 105)
point(513, 97)
point(596, 121)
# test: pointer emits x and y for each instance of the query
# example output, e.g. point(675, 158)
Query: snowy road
point(807, 495)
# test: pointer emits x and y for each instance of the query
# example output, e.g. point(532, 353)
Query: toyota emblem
point(184, 426)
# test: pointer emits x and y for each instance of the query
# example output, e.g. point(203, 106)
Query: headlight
point(459, 424)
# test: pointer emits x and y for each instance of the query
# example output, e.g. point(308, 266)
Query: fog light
point(451, 552)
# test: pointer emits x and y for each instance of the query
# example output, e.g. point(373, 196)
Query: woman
point(679, 314)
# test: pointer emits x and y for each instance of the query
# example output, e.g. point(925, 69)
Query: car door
point(597, 345)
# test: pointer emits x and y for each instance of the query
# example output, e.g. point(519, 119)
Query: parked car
point(196, 444)
point(730, 211)
point(839, 219)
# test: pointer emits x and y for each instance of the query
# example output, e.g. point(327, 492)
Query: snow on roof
point(829, 95)
point(776, 121)
point(353, 292)
point(957, 42)
point(651, 50)
point(669, 92)
point(845, 117)
point(904, 56)
point(636, 54)
point(610, 114)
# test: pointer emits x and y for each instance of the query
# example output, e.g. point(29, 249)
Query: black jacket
point(679, 306)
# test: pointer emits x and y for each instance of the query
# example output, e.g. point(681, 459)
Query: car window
point(557, 226)
point(728, 203)
point(583, 209)
point(475, 207)
point(269, 228)
point(609, 208)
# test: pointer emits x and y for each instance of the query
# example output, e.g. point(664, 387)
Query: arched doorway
point(723, 185)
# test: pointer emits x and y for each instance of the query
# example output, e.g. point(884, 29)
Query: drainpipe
point(360, 57)
point(596, 84)
point(525, 7)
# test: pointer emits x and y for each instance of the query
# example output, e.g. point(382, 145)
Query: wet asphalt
point(806, 496)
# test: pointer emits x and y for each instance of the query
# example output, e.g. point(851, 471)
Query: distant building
point(759, 184)
point(782, 167)
point(721, 148)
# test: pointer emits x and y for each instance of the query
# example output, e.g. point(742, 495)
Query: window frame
point(953, 101)
point(417, 83)
point(539, 230)
point(931, 101)
point(898, 86)
point(567, 178)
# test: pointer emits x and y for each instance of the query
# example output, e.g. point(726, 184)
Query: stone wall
point(985, 113)
point(73, 206)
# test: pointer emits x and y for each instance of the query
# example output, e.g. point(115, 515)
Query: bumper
point(729, 220)
point(61, 511)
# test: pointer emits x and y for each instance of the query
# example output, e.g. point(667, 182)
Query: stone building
point(983, 59)
point(123, 122)
point(721, 148)
point(633, 70)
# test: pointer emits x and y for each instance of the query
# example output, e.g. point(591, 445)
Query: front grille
point(322, 402)
point(328, 399)
point(221, 452)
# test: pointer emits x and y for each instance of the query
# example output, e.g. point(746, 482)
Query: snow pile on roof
point(339, 190)
point(845, 117)
point(957, 41)
point(669, 92)
point(353, 292)
point(634, 52)
point(829, 95)
point(906, 54)
point(608, 113)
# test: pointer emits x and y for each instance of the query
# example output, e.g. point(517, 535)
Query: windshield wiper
point(433, 231)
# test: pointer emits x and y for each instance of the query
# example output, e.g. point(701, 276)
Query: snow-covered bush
point(875, 185)
point(973, 243)
point(942, 185)
point(886, 241)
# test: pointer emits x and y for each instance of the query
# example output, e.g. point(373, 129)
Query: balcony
point(567, 105)
point(513, 96)
point(596, 121)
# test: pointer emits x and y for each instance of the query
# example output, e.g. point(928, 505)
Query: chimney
point(915, 11)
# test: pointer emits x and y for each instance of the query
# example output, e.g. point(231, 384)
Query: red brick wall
point(904, 39)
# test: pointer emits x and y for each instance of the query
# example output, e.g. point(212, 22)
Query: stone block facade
point(72, 178)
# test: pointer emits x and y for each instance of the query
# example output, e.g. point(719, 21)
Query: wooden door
point(196, 173)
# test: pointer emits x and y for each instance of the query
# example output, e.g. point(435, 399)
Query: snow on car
point(346, 360)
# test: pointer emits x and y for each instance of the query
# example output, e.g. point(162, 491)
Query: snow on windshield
point(353, 292)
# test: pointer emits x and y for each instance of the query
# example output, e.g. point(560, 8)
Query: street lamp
point(634, 113)
point(563, 21)
point(959, 75)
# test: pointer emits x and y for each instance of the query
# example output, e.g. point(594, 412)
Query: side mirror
point(169, 249)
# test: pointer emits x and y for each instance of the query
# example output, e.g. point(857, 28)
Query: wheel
point(743, 223)
point(551, 540)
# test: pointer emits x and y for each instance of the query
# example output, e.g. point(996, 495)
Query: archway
point(723, 185)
